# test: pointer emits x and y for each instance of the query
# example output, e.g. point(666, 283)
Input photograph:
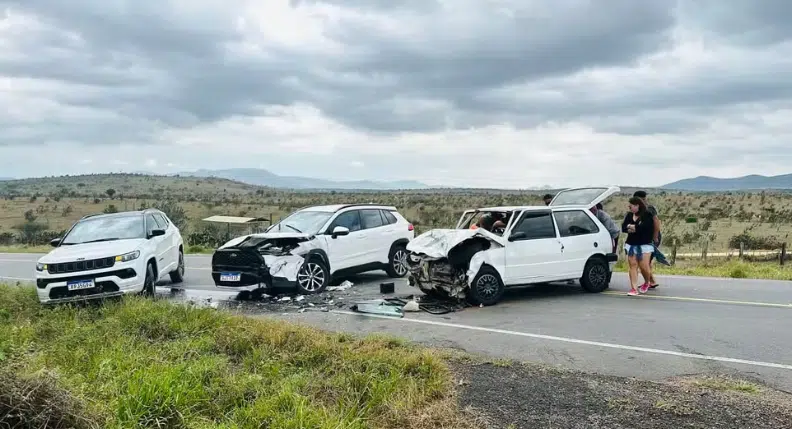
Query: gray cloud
point(101, 72)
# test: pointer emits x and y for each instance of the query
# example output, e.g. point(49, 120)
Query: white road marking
point(574, 341)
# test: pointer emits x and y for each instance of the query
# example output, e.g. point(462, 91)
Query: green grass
point(146, 363)
point(722, 267)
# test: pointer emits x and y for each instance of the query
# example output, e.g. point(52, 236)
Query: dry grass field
point(34, 210)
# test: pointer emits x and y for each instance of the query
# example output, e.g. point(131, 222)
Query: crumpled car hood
point(437, 243)
point(265, 236)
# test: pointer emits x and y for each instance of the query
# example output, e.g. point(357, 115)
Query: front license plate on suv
point(80, 284)
point(230, 277)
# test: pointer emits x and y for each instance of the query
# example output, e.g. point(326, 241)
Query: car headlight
point(131, 256)
point(41, 267)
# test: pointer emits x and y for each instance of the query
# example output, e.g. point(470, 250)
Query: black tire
point(487, 287)
point(151, 279)
point(313, 277)
point(595, 277)
point(177, 275)
point(397, 262)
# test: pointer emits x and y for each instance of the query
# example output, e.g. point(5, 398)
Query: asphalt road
point(687, 326)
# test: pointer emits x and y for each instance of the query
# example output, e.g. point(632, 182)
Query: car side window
point(535, 226)
point(161, 220)
point(575, 222)
point(151, 224)
point(390, 219)
point(349, 220)
point(371, 218)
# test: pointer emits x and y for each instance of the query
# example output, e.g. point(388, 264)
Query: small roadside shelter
point(252, 224)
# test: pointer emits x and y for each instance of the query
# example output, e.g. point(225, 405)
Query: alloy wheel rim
point(400, 262)
point(311, 277)
point(487, 285)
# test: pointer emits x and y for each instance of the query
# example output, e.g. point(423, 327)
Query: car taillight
point(410, 227)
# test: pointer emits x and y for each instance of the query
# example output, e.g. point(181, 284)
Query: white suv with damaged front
point(492, 249)
point(111, 255)
point(313, 245)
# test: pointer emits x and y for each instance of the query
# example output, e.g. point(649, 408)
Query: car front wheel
point(177, 275)
point(487, 287)
point(312, 278)
point(148, 284)
point(596, 276)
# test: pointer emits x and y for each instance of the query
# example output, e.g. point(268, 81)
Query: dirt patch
point(528, 396)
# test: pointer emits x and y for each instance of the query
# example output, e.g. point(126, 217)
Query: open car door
point(587, 197)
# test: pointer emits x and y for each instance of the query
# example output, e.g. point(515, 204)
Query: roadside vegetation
point(147, 363)
point(33, 211)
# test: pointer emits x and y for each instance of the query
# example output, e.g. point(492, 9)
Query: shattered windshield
point(306, 222)
point(489, 218)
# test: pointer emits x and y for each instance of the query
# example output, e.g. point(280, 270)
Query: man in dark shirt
point(547, 198)
point(658, 236)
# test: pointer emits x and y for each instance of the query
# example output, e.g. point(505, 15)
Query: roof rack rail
point(346, 206)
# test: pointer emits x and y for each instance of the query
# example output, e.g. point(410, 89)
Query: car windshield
point(306, 221)
point(108, 228)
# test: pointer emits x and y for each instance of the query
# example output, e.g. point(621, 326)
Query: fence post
point(783, 253)
point(704, 250)
point(742, 249)
point(674, 252)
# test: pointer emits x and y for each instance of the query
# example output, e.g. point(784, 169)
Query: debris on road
point(387, 288)
point(342, 287)
point(412, 306)
point(378, 306)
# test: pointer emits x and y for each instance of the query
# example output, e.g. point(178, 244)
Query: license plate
point(230, 277)
point(80, 284)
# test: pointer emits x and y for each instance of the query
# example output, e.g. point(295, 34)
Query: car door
point(346, 251)
point(171, 239)
point(465, 218)
point(533, 250)
point(378, 235)
point(580, 238)
point(159, 244)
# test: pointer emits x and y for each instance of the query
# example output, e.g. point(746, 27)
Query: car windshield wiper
point(100, 240)
point(293, 228)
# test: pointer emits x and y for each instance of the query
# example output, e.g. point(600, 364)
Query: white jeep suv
point(109, 255)
point(562, 241)
point(312, 245)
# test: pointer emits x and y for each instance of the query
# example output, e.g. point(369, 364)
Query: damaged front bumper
point(437, 277)
point(247, 270)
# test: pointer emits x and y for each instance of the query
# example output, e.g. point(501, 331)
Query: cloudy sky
point(505, 93)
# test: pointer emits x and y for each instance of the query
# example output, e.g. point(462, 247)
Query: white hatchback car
point(109, 255)
point(312, 245)
point(562, 241)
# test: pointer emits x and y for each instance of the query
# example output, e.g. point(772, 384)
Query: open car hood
point(437, 243)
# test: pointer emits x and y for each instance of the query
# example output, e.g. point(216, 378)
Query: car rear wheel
point(595, 277)
point(177, 275)
point(397, 262)
point(487, 288)
point(312, 278)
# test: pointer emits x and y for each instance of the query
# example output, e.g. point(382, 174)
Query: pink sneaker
point(644, 288)
point(632, 292)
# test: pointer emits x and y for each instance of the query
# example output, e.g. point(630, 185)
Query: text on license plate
point(80, 284)
point(230, 277)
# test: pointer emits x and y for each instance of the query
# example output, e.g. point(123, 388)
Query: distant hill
point(261, 177)
point(2, 179)
point(745, 183)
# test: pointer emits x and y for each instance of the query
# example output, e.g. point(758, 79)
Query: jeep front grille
point(78, 266)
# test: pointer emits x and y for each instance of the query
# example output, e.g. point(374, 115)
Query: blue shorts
point(638, 251)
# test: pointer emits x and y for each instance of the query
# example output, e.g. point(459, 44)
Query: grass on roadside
point(721, 267)
point(146, 363)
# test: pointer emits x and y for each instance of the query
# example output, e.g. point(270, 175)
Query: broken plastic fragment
point(285, 299)
point(299, 298)
point(378, 306)
point(411, 306)
point(343, 286)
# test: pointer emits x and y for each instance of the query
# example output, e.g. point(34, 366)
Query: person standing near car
point(656, 238)
point(547, 198)
point(639, 225)
point(609, 224)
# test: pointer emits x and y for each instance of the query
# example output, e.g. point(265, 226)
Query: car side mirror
point(340, 231)
point(55, 242)
point(157, 233)
point(519, 235)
